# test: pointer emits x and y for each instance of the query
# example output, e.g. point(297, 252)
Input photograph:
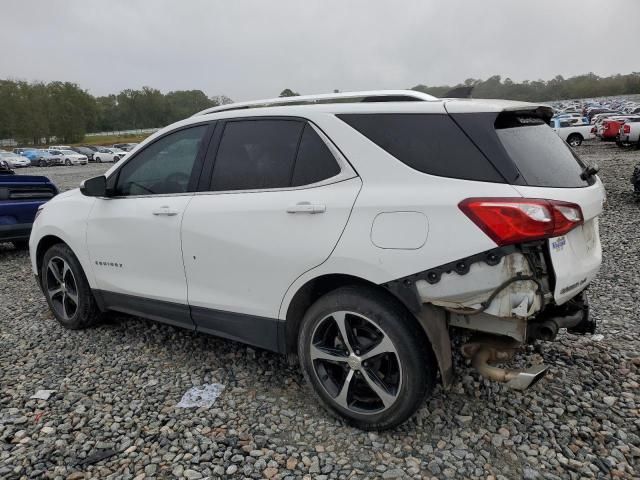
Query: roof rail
point(345, 97)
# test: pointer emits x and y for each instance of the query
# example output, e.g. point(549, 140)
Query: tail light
point(515, 220)
point(626, 128)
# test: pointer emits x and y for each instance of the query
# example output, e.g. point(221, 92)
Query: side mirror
point(94, 187)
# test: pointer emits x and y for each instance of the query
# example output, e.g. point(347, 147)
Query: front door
point(133, 236)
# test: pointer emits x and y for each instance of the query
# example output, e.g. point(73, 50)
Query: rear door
point(273, 206)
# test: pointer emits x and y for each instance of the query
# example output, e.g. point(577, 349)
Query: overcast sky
point(255, 49)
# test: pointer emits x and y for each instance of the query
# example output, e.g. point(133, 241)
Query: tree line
point(35, 112)
point(32, 113)
point(589, 85)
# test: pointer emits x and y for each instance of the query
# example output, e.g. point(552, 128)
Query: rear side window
point(429, 143)
point(315, 162)
point(256, 154)
point(541, 156)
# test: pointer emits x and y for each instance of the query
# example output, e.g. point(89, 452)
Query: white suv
point(359, 231)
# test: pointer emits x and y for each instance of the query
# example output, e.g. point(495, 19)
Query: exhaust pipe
point(546, 330)
point(484, 353)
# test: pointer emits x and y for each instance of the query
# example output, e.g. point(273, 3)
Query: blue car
point(40, 158)
point(20, 197)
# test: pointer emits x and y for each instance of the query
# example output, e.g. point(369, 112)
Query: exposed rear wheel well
point(316, 288)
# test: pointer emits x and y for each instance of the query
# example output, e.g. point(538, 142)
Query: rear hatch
point(517, 140)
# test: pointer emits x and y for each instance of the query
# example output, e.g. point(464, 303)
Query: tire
point(97, 160)
point(67, 162)
point(408, 366)
point(575, 140)
point(42, 163)
point(78, 314)
point(21, 244)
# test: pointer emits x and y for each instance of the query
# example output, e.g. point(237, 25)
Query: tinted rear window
point(543, 159)
point(429, 143)
point(256, 154)
point(315, 162)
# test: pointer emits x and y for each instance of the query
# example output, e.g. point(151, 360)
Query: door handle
point(306, 207)
point(165, 211)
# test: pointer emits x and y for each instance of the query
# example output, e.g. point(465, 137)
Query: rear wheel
point(575, 140)
point(97, 160)
point(66, 288)
point(67, 162)
point(366, 358)
point(42, 163)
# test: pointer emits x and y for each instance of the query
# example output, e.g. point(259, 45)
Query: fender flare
point(434, 323)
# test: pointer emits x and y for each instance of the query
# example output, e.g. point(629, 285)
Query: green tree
point(287, 92)
point(184, 103)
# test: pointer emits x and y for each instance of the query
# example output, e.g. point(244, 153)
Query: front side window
point(163, 167)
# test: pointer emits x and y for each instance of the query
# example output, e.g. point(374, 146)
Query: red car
point(611, 128)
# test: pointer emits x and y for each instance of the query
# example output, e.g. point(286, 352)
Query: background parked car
point(127, 147)
point(40, 158)
point(609, 129)
point(15, 160)
point(87, 152)
point(69, 157)
point(630, 133)
point(573, 134)
point(20, 197)
point(105, 154)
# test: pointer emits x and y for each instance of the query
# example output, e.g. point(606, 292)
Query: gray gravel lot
point(116, 387)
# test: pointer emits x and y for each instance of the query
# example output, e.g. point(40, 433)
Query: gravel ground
point(116, 387)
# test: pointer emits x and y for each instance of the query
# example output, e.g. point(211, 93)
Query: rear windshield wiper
point(589, 171)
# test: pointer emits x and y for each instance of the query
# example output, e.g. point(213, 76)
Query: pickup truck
point(20, 197)
point(572, 133)
point(629, 134)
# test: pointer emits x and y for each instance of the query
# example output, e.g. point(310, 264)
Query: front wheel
point(97, 160)
point(575, 140)
point(66, 288)
point(42, 163)
point(67, 162)
point(366, 358)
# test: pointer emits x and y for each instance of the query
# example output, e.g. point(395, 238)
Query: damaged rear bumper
point(505, 297)
point(506, 291)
